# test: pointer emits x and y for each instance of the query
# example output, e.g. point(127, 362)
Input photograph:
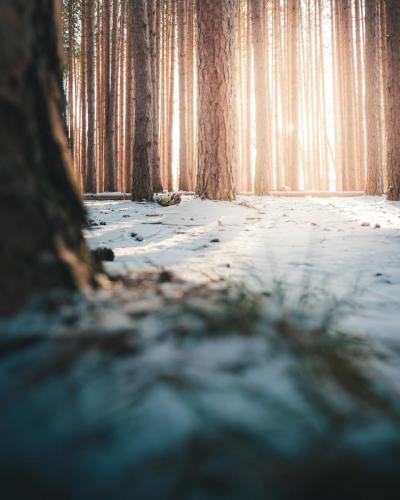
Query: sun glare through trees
point(308, 97)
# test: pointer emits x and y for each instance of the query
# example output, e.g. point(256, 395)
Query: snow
point(341, 249)
point(166, 402)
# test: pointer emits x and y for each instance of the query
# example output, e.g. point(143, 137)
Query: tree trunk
point(171, 89)
point(71, 57)
point(292, 167)
point(40, 210)
point(83, 94)
point(183, 145)
point(152, 18)
point(248, 166)
point(216, 142)
point(393, 98)
point(129, 102)
point(372, 98)
point(91, 167)
point(110, 160)
point(142, 185)
point(262, 180)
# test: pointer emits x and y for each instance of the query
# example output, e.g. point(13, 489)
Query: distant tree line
point(311, 92)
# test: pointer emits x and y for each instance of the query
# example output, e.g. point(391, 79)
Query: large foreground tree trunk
point(40, 210)
point(393, 98)
point(216, 145)
point(142, 185)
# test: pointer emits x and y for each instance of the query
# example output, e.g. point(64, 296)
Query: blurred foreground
point(161, 389)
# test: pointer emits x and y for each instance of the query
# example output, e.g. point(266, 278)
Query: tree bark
point(142, 185)
point(292, 167)
point(91, 166)
point(393, 98)
point(171, 89)
point(216, 142)
point(40, 210)
point(372, 98)
point(129, 90)
point(183, 139)
point(263, 175)
point(152, 19)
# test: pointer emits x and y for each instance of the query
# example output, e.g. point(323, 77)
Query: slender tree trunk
point(152, 18)
point(110, 166)
point(383, 86)
point(249, 172)
point(83, 96)
point(170, 139)
point(263, 173)
point(142, 185)
point(393, 98)
point(71, 57)
point(360, 115)
point(99, 101)
point(91, 167)
point(292, 175)
point(372, 98)
point(190, 94)
point(129, 109)
point(183, 144)
point(216, 142)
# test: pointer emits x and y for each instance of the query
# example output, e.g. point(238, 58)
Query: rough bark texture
point(110, 158)
point(83, 99)
point(393, 98)
point(129, 103)
point(216, 142)
point(40, 210)
point(372, 98)
point(183, 139)
point(91, 167)
point(142, 186)
point(262, 180)
point(152, 17)
point(292, 145)
point(348, 97)
point(171, 88)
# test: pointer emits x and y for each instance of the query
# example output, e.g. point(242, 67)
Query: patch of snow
point(328, 246)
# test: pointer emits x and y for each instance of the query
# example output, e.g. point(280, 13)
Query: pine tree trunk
point(106, 25)
point(71, 57)
point(171, 89)
point(142, 185)
point(190, 95)
point(183, 145)
point(110, 167)
point(372, 98)
point(393, 98)
point(263, 175)
point(360, 115)
point(91, 167)
point(40, 210)
point(248, 166)
point(152, 19)
point(216, 142)
point(83, 98)
point(292, 175)
point(129, 103)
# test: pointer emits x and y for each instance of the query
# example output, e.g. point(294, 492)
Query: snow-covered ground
point(345, 248)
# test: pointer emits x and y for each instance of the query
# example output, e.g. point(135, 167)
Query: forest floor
point(180, 380)
point(337, 249)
